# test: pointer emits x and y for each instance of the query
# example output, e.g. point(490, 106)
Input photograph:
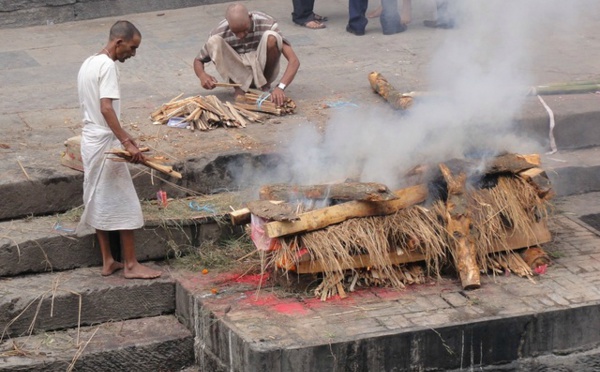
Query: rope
point(552, 123)
point(262, 98)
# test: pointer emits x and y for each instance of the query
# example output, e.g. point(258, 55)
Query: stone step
point(52, 188)
point(44, 244)
point(31, 12)
point(80, 297)
point(437, 326)
point(576, 117)
point(573, 172)
point(149, 344)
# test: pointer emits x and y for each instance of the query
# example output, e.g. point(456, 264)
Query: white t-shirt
point(98, 78)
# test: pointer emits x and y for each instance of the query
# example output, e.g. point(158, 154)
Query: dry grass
point(218, 255)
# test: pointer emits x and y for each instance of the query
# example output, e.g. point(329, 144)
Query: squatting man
point(246, 48)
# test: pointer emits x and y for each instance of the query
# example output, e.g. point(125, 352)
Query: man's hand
point(278, 96)
point(136, 155)
point(207, 81)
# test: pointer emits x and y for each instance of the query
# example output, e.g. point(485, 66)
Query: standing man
point(110, 200)
point(245, 48)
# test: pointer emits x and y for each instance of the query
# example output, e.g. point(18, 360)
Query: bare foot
point(111, 268)
point(266, 87)
point(375, 12)
point(139, 271)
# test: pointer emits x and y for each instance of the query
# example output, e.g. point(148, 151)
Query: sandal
point(319, 18)
point(314, 25)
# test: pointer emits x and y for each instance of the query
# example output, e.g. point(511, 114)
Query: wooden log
point(459, 224)
point(242, 216)
point(365, 191)
point(512, 163)
point(535, 257)
point(538, 178)
point(273, 211)
point(321, 218)
point(151, 164)
point(394, 97)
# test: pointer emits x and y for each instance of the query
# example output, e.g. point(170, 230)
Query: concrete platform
point(509, 322)
point(150, 344)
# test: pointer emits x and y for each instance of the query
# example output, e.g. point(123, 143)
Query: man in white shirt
point(110, 200)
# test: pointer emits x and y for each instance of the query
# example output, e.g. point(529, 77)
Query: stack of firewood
point(204, 113)
point(209, 112)
point(373, 236)
point(256, 100)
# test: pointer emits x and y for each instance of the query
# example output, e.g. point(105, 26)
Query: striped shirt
point(261, 22)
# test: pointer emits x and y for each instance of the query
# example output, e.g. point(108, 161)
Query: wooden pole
point(459, 222)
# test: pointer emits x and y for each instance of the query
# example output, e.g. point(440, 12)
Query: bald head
point(238, 17)
point(123, 30)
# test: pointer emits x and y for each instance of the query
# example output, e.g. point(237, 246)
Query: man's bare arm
point(107, 110)
point(293, 64)
point(206, 80)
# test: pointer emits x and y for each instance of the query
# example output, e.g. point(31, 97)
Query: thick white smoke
point(480, 74)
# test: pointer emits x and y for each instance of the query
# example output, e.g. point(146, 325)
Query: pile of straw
point(509, 206)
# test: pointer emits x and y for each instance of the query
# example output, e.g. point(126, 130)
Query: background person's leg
point(357, 21)
point(303, 11)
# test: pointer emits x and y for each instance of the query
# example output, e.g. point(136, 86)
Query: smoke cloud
point(480, 73)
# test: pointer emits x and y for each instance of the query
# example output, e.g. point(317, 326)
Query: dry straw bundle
point(414, 243)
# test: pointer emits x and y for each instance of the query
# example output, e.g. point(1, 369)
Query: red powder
point(255, 279)
point(294, 308)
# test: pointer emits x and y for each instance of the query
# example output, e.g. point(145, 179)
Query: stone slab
point(80, 297)
point(435, 327)
point(48, 244)
point(152, 344)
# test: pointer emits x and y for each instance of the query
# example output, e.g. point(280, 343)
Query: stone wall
point(21, 13)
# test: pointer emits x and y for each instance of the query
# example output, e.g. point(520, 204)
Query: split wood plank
point(321, 218)
point(364, 191)
point(242, 216)
point(538, 178)
point(273, 211)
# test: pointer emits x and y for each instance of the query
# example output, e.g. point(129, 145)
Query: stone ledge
point(46, 302)
point(41, 12)
point(152, 344)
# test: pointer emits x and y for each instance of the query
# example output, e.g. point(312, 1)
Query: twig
point(23, 169)
point(247, 255)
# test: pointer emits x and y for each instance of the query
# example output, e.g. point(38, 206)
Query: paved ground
point(38, 67)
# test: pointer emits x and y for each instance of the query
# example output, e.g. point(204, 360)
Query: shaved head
point(123, 30)
point(238, 17)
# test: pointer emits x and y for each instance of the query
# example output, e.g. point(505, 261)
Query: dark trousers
point(303, 11)
point(390, 17)
point(357, 10)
